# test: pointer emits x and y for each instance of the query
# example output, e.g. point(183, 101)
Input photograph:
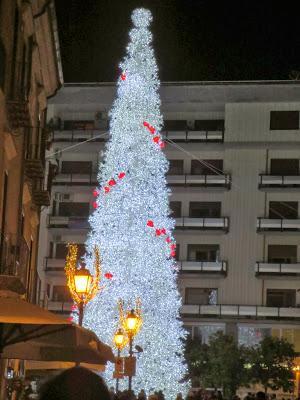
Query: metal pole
point(117, 380)
point(130, 355)
point(80, 308)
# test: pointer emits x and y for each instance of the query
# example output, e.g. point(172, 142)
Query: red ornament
point(74, 307)
point(145, 123)
point(95, 193)
point(106, 189)
point(108, 275)
point(168, 240)
point(151, 129)
point(173, 246)
point(112, 182)
point(173, 253)
point(95, 205)
point(121, 175)
point(123, 76)
point(156, 139)
point(70, 319)
point(162, 145)
point(163, 231)
point(157, 232)
point(150, 223)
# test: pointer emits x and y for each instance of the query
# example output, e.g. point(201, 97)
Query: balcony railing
point(221, 223)
point(200, 180)
point(220, 310)
point(214, 267)
point(75, 179)
point(54, 264)
point(78, 135)
point(18, 114)
point(195, 136)
point(63, 307)
point(279, 181)
point(176, 136)
point(68, 222)
point(265, 268)
point(278, 224)
point(35, 161)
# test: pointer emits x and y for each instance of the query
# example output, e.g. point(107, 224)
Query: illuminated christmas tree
point(131, 223)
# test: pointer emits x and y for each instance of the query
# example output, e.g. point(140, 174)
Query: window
point(208, 167)
point(203, 332)
point(69, 209)
point(283, 209)
point(281, 298)
point(284, 120)
point(175, 167)
point(209, 125)
point(76, 167)
point(62, 250)
point(203, 252)
point(205, 209)
point(200, 296)
point(284, 166)
point(282, 254)
point(79, 125)
point(61, 293)
point(250, 336)
point(175, 207)
point(175, 125)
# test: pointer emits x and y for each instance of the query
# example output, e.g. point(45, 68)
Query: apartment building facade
point(30, 73)
point(234, 151)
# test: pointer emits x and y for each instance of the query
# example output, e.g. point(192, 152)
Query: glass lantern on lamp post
point(120, 341)
point(83, 286)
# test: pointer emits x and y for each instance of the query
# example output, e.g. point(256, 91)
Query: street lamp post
point(131, 323)
point(82, 285)
point(120, 342)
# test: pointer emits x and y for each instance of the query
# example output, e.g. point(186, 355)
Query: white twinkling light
point(137, 258)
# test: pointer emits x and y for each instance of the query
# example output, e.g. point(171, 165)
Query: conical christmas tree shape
point(131, 223)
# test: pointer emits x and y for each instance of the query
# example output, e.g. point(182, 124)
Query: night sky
point(194, 40)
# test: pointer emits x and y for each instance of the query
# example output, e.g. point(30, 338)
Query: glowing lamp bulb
point(83, 281)
point(119, 338)
point(131, 322)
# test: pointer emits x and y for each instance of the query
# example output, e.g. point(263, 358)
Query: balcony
point(54, 264)
point(60, 221)
point(75, 179)
point(203, 267)
point(239, 311)
point(279, 181)
point(221, 223)
point(41, 198)
point(18, 114)
point(35, 161)
point(278, 224)
point(214, 136)
point(222, 181)
point(271, 268)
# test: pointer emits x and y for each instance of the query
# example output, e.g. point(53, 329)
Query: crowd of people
point(81, 384)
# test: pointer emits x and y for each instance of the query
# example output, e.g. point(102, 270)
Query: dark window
point(285, 166)
point(209, 125)
point(76, 167)
point(61, 293)
point(281, 298)
point(175, 125)
point(2, 65)
point(13, 79)
point(4, 202)
point(29, 65)
point(203, 252)
point(284, 120)
point(69, 209)
point(282, 253)
point(207, 167)
point(205, 209)
point(283, 209)
point(175, 207)
point(62, 250)
point(79, 125)
point(200, 296)
point(175, 167)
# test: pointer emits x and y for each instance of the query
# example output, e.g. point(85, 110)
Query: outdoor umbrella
point(29, 332)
